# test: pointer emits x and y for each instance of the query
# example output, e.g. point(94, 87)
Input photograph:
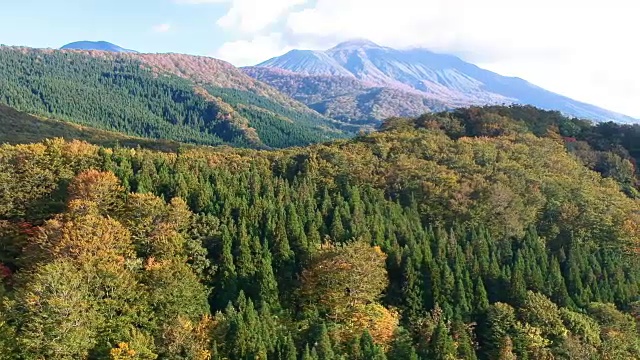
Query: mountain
point(165, 96)
point(346, 98)
point(308, 62)
point(96, 45)
point(22, 128)
point(442, 78)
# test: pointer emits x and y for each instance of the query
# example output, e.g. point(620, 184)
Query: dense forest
point(478, 234)
point(124, 94)
point(22, 128)
point(612, 149)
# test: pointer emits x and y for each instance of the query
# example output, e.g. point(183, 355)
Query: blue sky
point(585, 49)
point(128, 23)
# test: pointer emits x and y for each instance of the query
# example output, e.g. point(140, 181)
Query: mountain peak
point(356, 43)
point(96, 45)
point(439, 78)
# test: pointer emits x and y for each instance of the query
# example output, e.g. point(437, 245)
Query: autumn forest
point(498, 232)
point(452, 236)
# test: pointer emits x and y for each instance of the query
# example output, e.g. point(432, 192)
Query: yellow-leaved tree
point(343, 284)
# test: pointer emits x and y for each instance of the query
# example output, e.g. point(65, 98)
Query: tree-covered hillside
point(410, 243)
point(21, 128)
point(346, 98)
point(123, 93)
point(612, 149)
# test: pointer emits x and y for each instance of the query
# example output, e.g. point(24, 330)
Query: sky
point(585, 49)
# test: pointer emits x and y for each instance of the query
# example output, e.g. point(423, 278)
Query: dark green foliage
point(156, 107)
point(322, 343)
point(488, 248)
point(402, 346)
point(122, 94)
point(369, 350)
point(21, 128)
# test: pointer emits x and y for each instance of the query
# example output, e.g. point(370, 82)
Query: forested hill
point(612, 149)
point(346, 98)
point(172, 97)
point(21, 128)
point(452, 236)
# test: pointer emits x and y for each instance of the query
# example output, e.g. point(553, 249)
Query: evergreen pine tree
point(411, 289)
point(287, 349)
point(402, 346)
point(369, 350)
point(517, 285)
point(226, 274)
point(337, 232)
point(556, 285)
point(442, 346)
point(267, 284)
point(480, 295)
point(323, 346)
point(307, 354)
point(465, 350)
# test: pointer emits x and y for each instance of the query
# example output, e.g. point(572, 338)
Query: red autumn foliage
point(5, 272)
point(27, 228)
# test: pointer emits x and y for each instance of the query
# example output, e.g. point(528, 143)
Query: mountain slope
point(96, 45)
point(21, 128)
point(344, 97)
point(156, 96)
point(308, 62)
point(443, 78)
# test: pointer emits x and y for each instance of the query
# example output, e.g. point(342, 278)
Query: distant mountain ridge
point(440, 78)
point(181, 98)
point(346, 98)
point(96, 45)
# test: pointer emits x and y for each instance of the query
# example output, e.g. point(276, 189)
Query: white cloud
point(581, 48)
point(162, 28)
point(250, 52)
point(250, 16)
point(200, 1)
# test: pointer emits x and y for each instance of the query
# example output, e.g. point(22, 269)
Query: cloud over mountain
point(577, 47)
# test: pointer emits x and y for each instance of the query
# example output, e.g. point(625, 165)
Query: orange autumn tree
point(102, 188)
point(83, 235)
point(344, 284)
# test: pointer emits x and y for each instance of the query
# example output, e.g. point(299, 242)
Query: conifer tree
point(464, 344)
point(323, 346)
point(337, 232)
point(307, 355)
point(369, 350)
point(268, 286)
point(411, 293)
point(517, 285)
point(480, 295)
point(556, 285)
point(402, 346)
point(442, 346)
point(286, 349)
point(226, 275)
